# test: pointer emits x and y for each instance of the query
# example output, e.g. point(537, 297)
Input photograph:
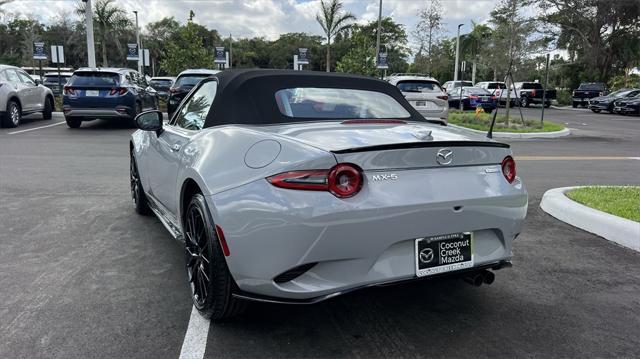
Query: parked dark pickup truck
point(531, 92)
point(587, 91)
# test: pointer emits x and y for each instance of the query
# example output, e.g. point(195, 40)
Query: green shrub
point(564, 97)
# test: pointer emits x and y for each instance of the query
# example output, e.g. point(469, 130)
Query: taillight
point(443, 97)
point(533, 93)
point(69, 90)
point(473, 97)
point(509, 169)
point(343, 180)
point(493, 97)
point(118, 90)
point(600, 93)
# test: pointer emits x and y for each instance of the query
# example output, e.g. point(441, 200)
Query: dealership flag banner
point(303, 57)
point(39, 51)
point(221, 58)
point(132, 52)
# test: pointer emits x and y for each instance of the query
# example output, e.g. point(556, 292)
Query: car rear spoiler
point(397, 146)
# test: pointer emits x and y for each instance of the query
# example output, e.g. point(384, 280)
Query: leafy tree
point(361, 58)
point(282, 50)
point(157, 35)
point(109, 22)
point(186, 51)
point(428, 30)
point(333, 21)
point(600, 35)
point(473, 44)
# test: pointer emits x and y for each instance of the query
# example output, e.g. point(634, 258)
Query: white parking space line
point(195, 339)
point(35, 128)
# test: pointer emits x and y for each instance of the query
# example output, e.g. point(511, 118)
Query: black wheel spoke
point(198, 258)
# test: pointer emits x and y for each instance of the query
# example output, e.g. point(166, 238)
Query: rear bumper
point(357, 242)
point(120, 112)
point(442, 113)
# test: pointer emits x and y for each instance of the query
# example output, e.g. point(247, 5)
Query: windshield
point(189, 80)
point(418, 86)
point(332, 103)
point(95, 79)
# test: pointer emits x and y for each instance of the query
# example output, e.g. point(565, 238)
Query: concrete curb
point(555, 134)
point(620, 230)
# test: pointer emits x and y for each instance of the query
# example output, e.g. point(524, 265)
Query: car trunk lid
point(380, 145)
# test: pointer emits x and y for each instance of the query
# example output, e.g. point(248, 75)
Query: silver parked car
point(294, 187)
point(20, 95)
point(423, 93)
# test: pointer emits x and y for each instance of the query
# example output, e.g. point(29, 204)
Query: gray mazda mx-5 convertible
point(294, 187)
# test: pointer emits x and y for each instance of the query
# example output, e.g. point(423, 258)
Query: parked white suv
point(20, 95)
point(423, 93)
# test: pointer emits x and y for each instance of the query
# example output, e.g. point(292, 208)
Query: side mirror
point(150, 121)
point(38, 82)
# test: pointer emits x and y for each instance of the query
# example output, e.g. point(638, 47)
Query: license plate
point(443, 253)
point(484, 98)
point(421, 103)
point(92, 93)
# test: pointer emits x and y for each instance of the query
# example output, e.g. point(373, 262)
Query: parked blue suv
point(106, 93)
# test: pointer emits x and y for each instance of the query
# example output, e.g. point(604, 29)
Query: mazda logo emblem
point(426, 255)
point(444, 156)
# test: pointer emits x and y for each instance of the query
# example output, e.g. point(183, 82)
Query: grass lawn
point(620, 201)
point(483, 121)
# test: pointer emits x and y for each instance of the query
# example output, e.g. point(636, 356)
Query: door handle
point(176, 147)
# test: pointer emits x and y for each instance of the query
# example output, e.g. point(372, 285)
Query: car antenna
point(495, 113)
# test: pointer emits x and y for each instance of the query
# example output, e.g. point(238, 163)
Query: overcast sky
point(268, 18)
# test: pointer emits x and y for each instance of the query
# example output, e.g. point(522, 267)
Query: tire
point(47, 113)
point(13, 116)
point(524, 102)
point(547, 105)
point(137, 192)
point(595, 110)
point(73, 122)
point(574, 104)
point(209, 278)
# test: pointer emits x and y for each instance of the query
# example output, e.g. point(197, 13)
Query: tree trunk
point(104, 54)
point(328, 54)
point(473, 71)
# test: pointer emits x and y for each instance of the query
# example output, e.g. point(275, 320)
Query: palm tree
point(333, 21)
point(110, 21)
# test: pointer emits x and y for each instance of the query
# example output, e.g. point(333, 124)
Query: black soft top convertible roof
point(248, 96)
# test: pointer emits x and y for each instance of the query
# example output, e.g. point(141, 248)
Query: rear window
point(591, 87)
point(475, 91)
point(189, 80)
point(496, 85)
point(531, 86)
point(332, 103)
point(95, 79)
point(462, 83)
point(160, 83)
point(418, 86)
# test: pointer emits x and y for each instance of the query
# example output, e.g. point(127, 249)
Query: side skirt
point(165, 219)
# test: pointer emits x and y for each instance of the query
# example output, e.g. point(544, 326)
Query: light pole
point(140, 53)
point(91, 49)
point(378, 34)
point(455, 71)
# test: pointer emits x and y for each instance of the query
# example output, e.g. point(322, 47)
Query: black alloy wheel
point(137, 193)
point(209, 278)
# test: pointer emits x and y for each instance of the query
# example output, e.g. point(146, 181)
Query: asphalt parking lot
point(83, 276)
